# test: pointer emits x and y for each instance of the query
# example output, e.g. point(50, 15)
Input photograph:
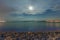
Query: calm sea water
point(29, 26)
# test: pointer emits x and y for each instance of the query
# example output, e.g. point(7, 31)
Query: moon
point(31, 8)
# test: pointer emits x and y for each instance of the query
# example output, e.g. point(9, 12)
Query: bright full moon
point(31, 8)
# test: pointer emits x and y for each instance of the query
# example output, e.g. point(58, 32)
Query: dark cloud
point(56, 5)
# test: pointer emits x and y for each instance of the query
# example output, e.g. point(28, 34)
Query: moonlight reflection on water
point(29, 26)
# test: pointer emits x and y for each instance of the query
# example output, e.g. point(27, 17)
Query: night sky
point(21, 10)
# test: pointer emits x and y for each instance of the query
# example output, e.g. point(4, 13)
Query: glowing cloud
point(31, 8)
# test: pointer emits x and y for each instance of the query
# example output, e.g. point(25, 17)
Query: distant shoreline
point(49, 21)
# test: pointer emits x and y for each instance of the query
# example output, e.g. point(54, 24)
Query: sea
point(29, 26)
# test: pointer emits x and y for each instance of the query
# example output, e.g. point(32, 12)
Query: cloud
point(56, 6)
point(5, 10)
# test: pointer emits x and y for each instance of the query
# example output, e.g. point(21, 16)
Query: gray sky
point(19, 9)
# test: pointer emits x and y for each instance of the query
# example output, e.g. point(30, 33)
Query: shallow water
point(29, 26)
